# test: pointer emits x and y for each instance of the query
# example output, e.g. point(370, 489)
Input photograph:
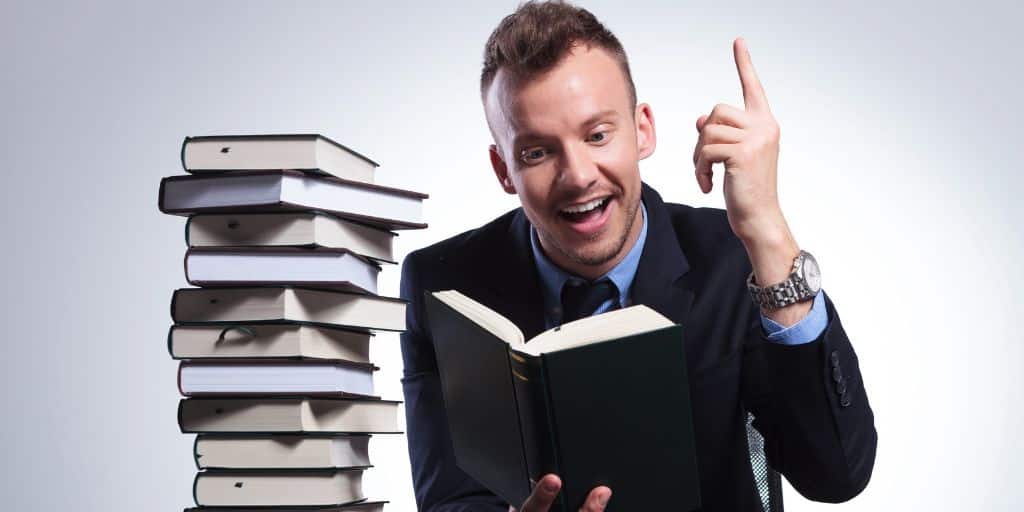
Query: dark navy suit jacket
point(808, 400)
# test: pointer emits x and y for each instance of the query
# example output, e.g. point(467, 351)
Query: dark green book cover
point(613, 413)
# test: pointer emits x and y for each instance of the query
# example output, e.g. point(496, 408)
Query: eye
point(598, 137)
point(532, 155)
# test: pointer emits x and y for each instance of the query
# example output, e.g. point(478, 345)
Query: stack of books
point(286, 235)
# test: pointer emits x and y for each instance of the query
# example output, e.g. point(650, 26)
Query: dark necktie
point(581, 298)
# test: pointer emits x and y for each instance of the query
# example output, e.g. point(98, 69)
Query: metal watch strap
point(793, 289)
point(778, 295)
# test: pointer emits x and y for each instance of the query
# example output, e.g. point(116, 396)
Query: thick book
point(285, 451)
point(301, 152)
point(275, 341)
point(270, 304)
point(242, 377)
point(299, 266)
point(362, 506)
point(283, 191)
point(311, 229)
point(600, 401)
point(233, 488)
point(287, 415)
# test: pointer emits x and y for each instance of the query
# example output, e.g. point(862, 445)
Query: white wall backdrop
point(900, 170)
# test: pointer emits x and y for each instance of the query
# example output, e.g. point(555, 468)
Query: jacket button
point(834, 357)
point(844, 400)
point(837, 374)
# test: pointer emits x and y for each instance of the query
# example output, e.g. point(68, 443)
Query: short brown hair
point(534, 38)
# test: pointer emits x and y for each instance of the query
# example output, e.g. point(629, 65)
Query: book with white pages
point(287, 415)
point(262, 341)
point(302, 152)
point(285, 191)
point(298, 266)
point(281, 451)
point(284, 304)
point(362, 506)
point(241, 377)
point(233, 488)
point(313, 229)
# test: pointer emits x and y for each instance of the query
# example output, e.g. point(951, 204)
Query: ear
point(501, 170)
point(646, 138)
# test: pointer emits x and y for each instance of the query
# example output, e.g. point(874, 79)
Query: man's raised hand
point(546, 490)
point(747, 141)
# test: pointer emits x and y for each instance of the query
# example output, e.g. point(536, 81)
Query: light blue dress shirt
point(554, 278)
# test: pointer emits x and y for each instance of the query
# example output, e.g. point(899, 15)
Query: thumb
point(543, 494)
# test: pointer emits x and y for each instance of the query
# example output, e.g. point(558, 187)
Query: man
point(568, 136)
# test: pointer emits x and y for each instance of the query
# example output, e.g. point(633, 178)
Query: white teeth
point(585, 207)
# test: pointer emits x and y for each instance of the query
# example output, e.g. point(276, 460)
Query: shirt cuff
point(805, 331)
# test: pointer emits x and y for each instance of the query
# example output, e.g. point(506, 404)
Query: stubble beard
point(602, 256)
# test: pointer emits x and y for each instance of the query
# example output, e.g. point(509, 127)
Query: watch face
point(811, 273)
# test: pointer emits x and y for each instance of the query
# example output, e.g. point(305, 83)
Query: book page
point(483, 316)
point(594, 329)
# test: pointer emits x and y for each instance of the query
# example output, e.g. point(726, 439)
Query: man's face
point(568, 142)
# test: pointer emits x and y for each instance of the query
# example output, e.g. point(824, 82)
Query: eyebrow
point(529, 136)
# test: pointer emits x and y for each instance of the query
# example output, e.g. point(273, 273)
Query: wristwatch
point(803, 283)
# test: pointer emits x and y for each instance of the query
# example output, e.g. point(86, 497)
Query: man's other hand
point(547, 488)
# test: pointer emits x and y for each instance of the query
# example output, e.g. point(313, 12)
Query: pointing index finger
point(753, 94)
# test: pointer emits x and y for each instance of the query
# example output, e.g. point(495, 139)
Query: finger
point(543, 494)
point(700, 122)
point(753, 94)
point(708, 155)
point(729, 115)
point(721, 134)
point(597, 500)
point(713, 133)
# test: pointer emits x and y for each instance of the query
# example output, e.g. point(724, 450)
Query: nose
point(578, 168)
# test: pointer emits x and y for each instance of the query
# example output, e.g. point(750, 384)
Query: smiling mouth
point(585, 212)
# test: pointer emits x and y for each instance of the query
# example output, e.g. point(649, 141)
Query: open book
point(603, 400)
point(585, 331)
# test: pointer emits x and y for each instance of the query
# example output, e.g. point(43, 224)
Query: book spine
point(188, 226)
point(526, 382)
point(174, 300)
point(188, 253)
point(170, 346)
point(181, 389)
point(195, 489)
point(195, 453)
point(550, 440)
point(184, 143)
point(160, 196)
point(181, 416)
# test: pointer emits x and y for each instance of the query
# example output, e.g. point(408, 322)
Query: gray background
point(899, 169)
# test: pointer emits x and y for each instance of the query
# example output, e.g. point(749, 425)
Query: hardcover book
point(261, 341)
point(310, 229)
point(288, 415)
point(299, 266)
point(600, 401)
point(362, 506)
point(233, 488)
point(281, 451)
point(303, 152)
point(272, 304)
point(242, 377)
point(284, 191)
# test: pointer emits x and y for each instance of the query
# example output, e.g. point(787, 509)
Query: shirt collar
point(553, 278)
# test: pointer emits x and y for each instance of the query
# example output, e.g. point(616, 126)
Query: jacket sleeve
point(810, 404)
point(440, 486)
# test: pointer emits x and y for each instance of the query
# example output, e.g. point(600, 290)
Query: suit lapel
point(661, 279)
point(511, 286)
